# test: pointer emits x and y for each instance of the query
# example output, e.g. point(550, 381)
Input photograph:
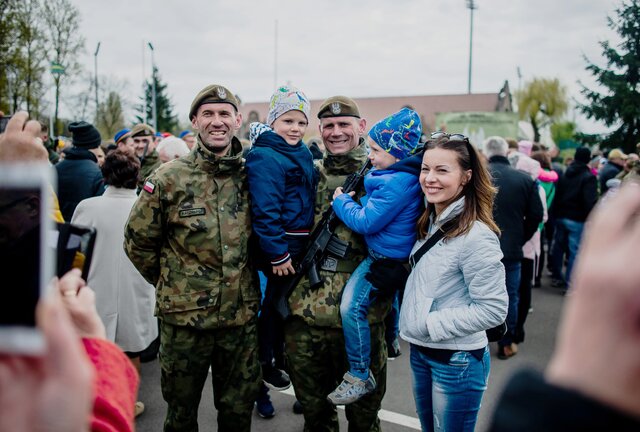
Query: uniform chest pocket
point(192, 217)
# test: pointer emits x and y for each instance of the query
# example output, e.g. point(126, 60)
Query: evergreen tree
point(166, 120)
point(620, 103)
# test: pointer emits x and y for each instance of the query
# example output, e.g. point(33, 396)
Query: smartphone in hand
point(74, 248)
point(26, 260)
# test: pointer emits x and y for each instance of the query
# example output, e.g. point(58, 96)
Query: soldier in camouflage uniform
point(314, 339)
point(188, 234)
point(144, 143)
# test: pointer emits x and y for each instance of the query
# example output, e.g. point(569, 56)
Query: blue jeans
point(448, 395)
point(567, 233)
point(512, 270)
point(354, 307)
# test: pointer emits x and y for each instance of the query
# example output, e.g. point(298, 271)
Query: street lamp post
point(471, 5)
point(154, 111)
point(95, 82)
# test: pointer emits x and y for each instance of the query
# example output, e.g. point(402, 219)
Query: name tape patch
point(192, 212)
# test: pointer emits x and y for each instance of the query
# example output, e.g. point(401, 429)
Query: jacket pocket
point(189, 301)
point(415, 321)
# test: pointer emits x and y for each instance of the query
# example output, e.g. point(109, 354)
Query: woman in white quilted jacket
point(456, 290)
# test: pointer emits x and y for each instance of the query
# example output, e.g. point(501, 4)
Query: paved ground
point(398, 407)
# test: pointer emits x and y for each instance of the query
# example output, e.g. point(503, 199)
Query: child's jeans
point(354, 308)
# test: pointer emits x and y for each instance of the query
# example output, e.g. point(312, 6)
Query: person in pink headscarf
point(525, 147)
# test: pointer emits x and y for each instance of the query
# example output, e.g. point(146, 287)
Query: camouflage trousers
point(317, 361)
point(185, 357)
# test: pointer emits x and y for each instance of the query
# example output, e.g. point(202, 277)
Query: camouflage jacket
point(187, 234)
point(149, 165)
point(321, 307)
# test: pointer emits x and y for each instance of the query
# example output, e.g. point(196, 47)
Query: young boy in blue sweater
point(387, 218)
point(282, 185)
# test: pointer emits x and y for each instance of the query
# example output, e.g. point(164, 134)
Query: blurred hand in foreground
point(21, 140)
point(598, 347)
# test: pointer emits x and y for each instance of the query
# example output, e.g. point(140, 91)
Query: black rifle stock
point(321, 242)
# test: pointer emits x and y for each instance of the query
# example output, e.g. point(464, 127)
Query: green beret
point(213, 93)
point(142, 129)
point(339, 106)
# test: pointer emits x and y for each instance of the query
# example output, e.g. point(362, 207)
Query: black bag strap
point(431, 241)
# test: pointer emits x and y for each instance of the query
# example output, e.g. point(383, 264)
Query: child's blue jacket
point(389, 211)
point(282, 186)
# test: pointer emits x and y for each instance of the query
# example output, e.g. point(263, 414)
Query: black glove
point(387, 276)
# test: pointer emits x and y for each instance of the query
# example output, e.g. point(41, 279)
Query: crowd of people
point(446, 242)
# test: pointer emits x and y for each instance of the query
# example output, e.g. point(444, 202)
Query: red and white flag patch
point(149, 187)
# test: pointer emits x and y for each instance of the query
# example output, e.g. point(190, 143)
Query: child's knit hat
point(398, 134)
point(287, 98)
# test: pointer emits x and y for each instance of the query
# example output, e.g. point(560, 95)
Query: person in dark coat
point(79, 176)
point(517, 211)
point(576, 194)
point(615, 164)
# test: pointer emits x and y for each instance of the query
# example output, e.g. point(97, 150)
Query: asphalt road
point(398, 408)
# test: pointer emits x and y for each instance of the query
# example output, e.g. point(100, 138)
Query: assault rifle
point(321, 243)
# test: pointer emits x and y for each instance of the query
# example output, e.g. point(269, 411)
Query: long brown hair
point(478, 193)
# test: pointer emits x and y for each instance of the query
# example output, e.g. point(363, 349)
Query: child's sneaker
point(352, 389)
point(263, 403)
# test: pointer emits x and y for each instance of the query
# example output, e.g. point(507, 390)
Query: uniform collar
point(151, 157)
point(346, 163)
point(210, 162)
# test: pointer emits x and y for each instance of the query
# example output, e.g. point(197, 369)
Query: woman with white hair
point(172, 148)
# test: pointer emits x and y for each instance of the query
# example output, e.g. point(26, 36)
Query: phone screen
point(3, 123)
point(75, 248)
point(20, 254)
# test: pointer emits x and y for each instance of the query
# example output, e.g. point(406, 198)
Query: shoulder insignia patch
point(149, 187)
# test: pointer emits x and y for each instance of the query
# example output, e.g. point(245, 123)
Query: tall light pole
point(95, 65)
point(154, 112)
point(471, 5)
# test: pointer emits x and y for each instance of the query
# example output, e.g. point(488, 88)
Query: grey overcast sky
point(357, 48)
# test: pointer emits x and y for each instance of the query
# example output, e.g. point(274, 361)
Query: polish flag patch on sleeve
point(149, 187)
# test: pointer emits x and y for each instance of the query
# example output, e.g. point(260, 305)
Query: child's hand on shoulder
point(339, 192)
